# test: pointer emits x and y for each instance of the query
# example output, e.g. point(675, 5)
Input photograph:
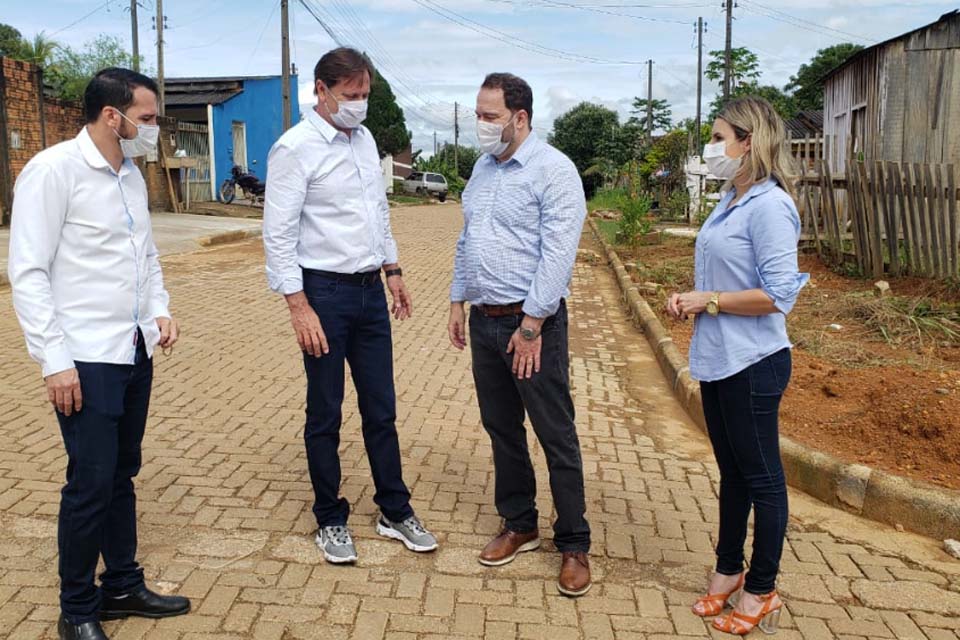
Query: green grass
point(609, 230)
point(406, 199)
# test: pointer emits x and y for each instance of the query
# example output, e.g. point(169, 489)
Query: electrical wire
point(556, 4)
point(797, 21)
point(81, 19)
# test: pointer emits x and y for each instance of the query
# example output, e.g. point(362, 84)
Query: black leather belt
point(364, 278)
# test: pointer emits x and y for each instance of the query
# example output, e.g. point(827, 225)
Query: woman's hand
point(692, 303)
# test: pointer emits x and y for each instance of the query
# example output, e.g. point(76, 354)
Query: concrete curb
point(867, 492)
point(229, 236)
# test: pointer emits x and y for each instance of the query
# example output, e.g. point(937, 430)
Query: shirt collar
point(327, 130)
point(522, 155)
point(92, 155)
point(757, 189)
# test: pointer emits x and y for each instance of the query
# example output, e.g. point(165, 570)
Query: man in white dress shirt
point(326, 232)
point(89, 294)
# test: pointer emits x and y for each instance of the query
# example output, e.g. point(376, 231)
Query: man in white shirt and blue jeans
point(89, 294)
point(326, 233)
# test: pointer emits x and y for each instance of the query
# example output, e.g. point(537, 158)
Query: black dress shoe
point(85, 631)
point(144, 604)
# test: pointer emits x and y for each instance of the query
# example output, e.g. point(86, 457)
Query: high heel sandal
point(741, 624)
point(713, 603)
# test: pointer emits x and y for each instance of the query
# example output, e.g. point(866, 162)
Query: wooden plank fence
point(884, 217)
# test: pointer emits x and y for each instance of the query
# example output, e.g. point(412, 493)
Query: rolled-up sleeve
point(39, 212)
point(775, 233)
point(563, 209)
point(283, 205)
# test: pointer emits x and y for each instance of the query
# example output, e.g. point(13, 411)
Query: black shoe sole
point(120, 615)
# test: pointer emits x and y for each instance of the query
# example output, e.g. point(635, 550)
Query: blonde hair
point(769, 156)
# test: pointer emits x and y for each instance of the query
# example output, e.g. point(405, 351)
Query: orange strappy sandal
point(713, 603)
point(741, 624)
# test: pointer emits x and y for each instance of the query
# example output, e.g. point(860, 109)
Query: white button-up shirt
point(83, 265)
point(326, 206)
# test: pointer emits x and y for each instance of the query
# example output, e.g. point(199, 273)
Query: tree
point(781, 102)
point(466, 157)
point(385, 119)
point(11, 41)
point(807, 84)
point(662, 114)
point(744, 67)
point(582, 133)
point(39, 51)
point(71, 70)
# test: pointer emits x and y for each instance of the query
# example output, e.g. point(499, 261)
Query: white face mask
point(143, 143)
point(719, 163)
point(490, 136)
point(350, 113)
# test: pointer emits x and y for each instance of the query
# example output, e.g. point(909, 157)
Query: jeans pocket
point(322, 291)
point(767, 377)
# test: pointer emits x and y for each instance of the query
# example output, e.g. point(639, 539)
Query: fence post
point(6, 188)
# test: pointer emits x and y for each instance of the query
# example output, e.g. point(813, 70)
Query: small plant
point(633, 218)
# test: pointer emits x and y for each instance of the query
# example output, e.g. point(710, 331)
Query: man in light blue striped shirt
point(523, 214)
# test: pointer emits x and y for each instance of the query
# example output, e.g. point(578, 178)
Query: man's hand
point(526, 355)
point(306, 325)
point(457, 327)
point(63, 390)
point(402, 302)
point(169, 332)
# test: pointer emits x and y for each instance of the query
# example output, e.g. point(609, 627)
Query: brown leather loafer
point(574, 574)
point(506, 546)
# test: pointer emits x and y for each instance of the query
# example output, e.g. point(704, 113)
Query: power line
point(263, 30)
point(797, 21)
point(512, 40)
point(85, 16)
point(556, 4)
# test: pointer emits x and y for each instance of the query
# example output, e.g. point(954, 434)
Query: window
point(434, 177)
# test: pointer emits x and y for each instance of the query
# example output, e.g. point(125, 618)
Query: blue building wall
point(260, 107)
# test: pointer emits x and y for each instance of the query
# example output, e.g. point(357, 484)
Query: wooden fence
point(885, 217)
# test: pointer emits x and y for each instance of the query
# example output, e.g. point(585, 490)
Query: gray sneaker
point(410, 532)
point(337, 545)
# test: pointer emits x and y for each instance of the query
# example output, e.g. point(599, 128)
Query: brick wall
point(25, 130)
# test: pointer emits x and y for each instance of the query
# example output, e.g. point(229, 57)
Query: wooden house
point(898, 100)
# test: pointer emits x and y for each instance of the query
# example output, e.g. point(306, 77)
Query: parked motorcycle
point(248, 182)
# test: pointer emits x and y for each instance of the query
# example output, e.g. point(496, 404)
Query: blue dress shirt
point(750, 245)
point(522, 224)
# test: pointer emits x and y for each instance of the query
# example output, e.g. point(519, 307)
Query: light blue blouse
point(750, 245)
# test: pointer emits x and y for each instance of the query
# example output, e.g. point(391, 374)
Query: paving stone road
point(225, 499)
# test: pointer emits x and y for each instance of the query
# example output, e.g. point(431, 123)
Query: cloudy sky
point(436, 52)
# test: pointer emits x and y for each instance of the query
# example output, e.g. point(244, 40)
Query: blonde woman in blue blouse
point(747, 282)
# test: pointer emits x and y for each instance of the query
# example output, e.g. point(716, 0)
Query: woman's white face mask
point(719, 163)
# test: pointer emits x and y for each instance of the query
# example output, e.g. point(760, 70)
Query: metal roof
point(216, 79)
point(805, 124)
point(188, 98)
point(945, 17)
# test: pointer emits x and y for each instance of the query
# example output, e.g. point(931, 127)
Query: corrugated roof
point(947, 16)
point(217, 79)
point(805, 124)
point(200, 98)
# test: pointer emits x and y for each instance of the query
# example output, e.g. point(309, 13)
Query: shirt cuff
point(535, 310)
point(159, 309)
point(287, 284)
point(784, 295)
point(391, 255)
point(458, 293)
point(56, 359)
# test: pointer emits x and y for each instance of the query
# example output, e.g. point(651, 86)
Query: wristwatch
point(528, 334)
point(713, 306)
point(393, 272)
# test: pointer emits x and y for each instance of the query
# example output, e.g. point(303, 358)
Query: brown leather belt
point(500, 310)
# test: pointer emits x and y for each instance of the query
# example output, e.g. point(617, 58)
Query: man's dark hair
point(113, 87)
point(517, 94)
point(341, 64)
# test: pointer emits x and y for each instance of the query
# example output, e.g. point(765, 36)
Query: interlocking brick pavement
point(225, 498)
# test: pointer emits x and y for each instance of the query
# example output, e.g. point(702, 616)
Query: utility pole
point(649, 99)
point(456, 137)
point(434, 143)
point(160, 84)
point(285, 60)
point(727, 54)
point(696, 135)
point(135, 35)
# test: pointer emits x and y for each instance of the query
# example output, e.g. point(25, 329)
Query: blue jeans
point(546, 399)
point(98, 504)
point(742, 420)
point(356, 321)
